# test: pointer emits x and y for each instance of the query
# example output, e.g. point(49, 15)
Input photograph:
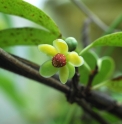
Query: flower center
point(59, 60)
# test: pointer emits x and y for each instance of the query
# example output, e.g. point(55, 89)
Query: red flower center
point(59, 60)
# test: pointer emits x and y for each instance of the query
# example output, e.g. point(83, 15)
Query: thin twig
point(91, 77)
point(75, 80)
point(73, 84)
point(91, 15)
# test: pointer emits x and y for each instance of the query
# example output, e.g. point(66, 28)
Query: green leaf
point(91, 59)
point(114, 39)
point(30, 12)
point(105, 69)
point(25, 36)
point(115, 84)
point(84, 74)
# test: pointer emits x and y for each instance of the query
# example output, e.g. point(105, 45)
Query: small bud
point(72, 43)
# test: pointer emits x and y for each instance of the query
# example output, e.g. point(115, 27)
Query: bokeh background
point(23, 101)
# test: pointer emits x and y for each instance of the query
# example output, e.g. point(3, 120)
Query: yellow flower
point(61, 60)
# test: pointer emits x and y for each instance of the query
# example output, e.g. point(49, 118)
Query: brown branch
point(105, 103)
point(76, 77)
point(12, 64)
point(95, 99)
point(27, 62)
point(87, 109)
point(91, 77)
point(117, 78)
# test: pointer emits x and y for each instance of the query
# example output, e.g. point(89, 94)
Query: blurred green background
point(23, 101)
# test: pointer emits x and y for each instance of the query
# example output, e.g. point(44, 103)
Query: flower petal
point(47, 69)
point(71, 70)
point(75, 59)
point(64, 74)
point(47, 49)
point(61, 46)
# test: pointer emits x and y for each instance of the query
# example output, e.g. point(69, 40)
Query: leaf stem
point(86, 49)
point(91, 77)
point(99, 85)
point(87, 67)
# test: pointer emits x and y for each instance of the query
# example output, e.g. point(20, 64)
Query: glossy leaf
point(114, 39)
point(91, 59)
point(84, 74)
point(105, 69)
point(30, 12)
point(25, 36)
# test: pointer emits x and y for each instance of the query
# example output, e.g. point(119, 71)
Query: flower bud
point(72, 43)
